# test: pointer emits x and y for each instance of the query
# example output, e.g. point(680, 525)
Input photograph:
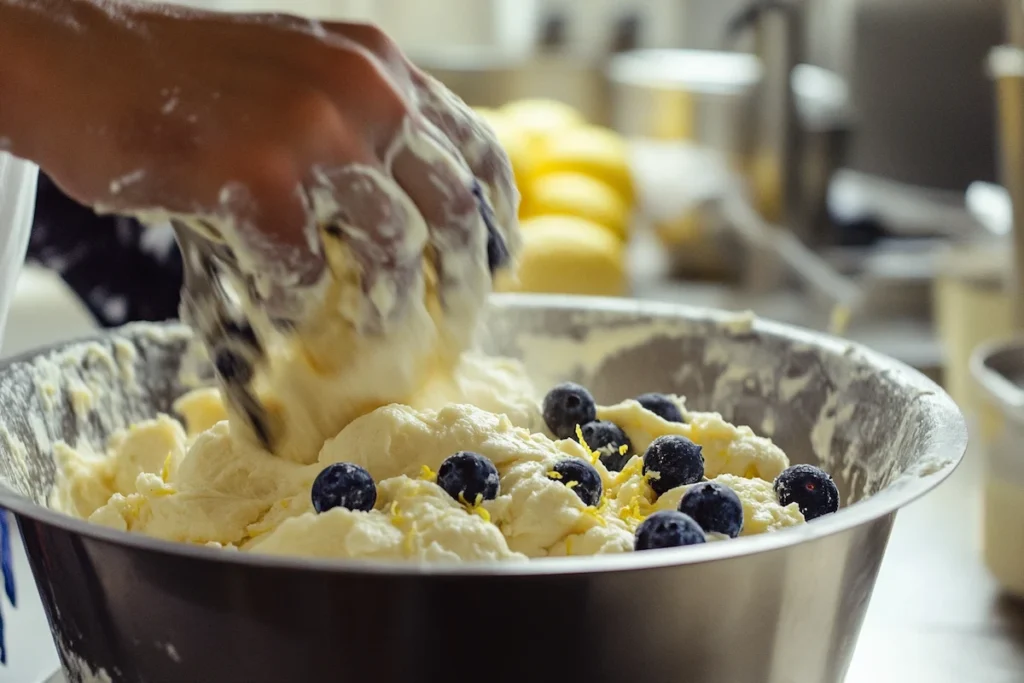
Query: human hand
point(285, 136)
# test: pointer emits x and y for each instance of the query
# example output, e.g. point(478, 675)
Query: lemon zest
point(554, 475)
point(633, 468)
point(396, 514)
point(591, 511)
point(476, 507)
point(572, 484)
point(410, 538)
point(591, 455)
point(428, 474)
point(636, 510)
point(165, 471)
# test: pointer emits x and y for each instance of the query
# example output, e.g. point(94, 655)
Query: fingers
point(431, 173)
point(373, 238)
point(479, 147)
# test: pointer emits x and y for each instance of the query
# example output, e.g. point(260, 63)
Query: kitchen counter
point(936, 615)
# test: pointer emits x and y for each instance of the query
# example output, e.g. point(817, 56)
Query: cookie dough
point(194, 483)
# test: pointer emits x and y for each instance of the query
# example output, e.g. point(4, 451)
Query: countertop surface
point(935, 616)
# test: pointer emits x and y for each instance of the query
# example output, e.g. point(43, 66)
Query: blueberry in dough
point(662, 406)
point(607, 438)
point(343, 485)
point(716, 508)
point(667, 529)
point(811, 488)
point(497, 250)
point(232, 366)
point(566, 406)
point(581, 477)
point(676, 460)
point(468, 477)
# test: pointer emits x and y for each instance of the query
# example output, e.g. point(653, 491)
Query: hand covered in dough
point(310, 148)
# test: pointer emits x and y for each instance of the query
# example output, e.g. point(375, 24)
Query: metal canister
point(998, 367)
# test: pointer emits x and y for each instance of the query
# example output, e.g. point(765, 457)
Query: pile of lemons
point(577, 199)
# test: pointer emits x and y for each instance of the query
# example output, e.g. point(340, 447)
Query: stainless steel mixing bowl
point(777, 607)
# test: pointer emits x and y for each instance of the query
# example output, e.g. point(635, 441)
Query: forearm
point(37, 37)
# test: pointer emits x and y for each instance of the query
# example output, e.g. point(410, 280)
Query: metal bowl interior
point(886, 433)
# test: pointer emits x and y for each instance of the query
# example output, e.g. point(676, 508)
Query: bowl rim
point(948, 443)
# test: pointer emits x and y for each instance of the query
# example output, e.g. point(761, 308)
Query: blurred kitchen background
point(832, 162)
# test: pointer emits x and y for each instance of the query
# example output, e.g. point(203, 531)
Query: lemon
point(590, 150)
point(568, 255)
point(516, 143)
point(540, 119)
point(575, 194)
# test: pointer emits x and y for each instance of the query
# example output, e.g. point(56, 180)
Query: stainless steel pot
point(777, 607)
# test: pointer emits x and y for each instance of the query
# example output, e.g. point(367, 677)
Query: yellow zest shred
point(428, 474)
point(568, 545)
point(572, 484)
point(410, 539)
point(593, 513)
point(633, 468)
point(554, 475)
point(636, 510)
point(591, 455)
point(476, 507)
point(165, 471)
point(396, 514)
point(481, 512)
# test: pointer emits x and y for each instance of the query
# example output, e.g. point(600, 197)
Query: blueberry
point(810, 488)
point(667, 529)
point(662, 406)
point(607, 438)
point(344, 485)
point(676, 459)
point(714, 507)
point(232, 366)
point(468, 476)
point(566, 406)
point(581, 477)
point(497, 251)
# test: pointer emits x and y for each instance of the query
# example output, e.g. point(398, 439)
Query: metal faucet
point(1006, 63)
point(778, 42)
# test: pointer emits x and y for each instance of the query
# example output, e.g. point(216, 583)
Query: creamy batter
point(194, 483)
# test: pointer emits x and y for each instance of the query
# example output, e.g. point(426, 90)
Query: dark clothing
point(122, 271)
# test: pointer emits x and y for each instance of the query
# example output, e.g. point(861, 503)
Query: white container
point(17, 204)
point(32, 655)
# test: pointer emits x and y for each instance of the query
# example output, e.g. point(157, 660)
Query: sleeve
point(17, 204)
